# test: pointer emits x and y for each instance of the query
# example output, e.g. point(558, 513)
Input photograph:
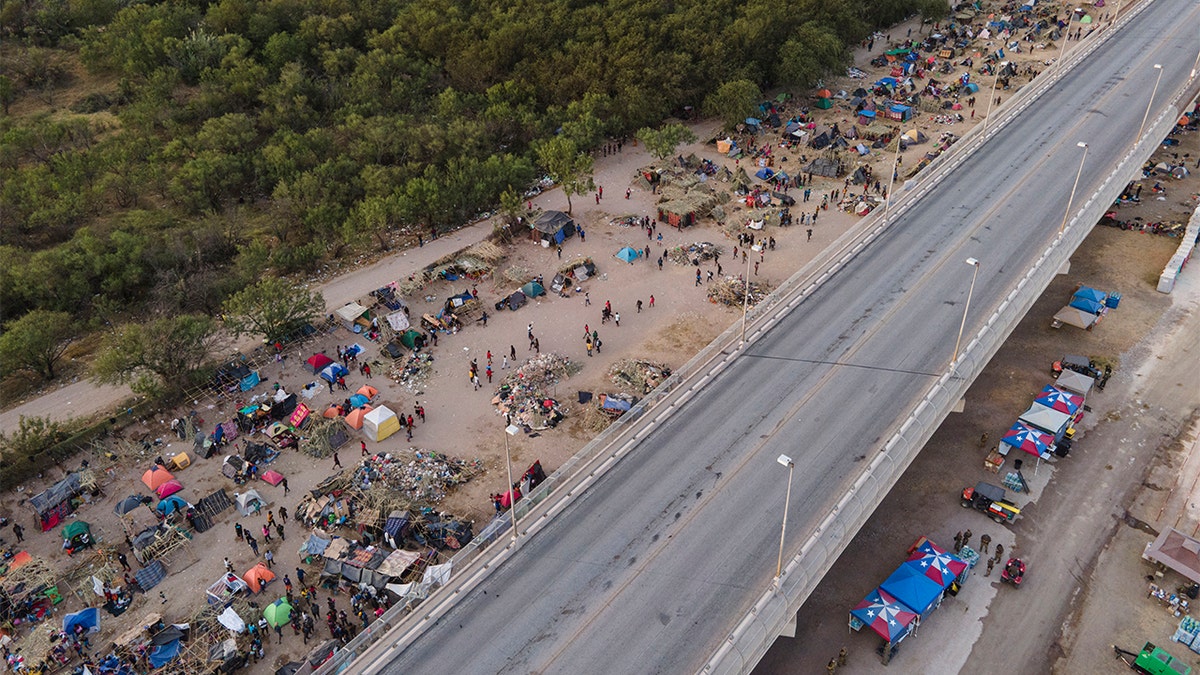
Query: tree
point(36, 341)
point(814, 51)
point(32, 437)
point(272, 308)
point(566, 165)
point(162, 355)
point(933, 10)
point(733, 102)
point(662, 142)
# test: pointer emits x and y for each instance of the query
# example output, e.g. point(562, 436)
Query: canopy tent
point(171, 504)
point(129, 504)
point(911, 586)
point(258, 577)
point(354, 420)
point(318, 362)
point(1077, 382)
point(1177, 551)
point(350, 313)
point(333, 371)
point(380, 423)
point(1059, 399)
point(533, 289)
point(629, 254)
point(937, 563)
point(1087, 305)
point(168, 488)
point(250, 502)
point(1024, 437)
point(1073, 316)
point(277, 613)
point(1090, 293)
point(1046, 419)
point(885, 615)
point(156, 476)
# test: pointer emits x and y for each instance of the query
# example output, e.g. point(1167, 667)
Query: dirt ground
point(462, 422)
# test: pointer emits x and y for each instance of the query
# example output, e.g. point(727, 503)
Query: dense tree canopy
point(222, 137)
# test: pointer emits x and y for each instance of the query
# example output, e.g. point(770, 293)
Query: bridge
point(660, 553)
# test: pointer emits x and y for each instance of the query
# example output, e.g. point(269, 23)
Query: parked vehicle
point(990, 499)
point(1013, 572)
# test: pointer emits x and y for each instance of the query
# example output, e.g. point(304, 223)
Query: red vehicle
point(1013, 572)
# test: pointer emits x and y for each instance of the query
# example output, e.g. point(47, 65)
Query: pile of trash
point(527, 393)
point(638, 375)
point(423, 476)
point(731, 291)
point(693, 254)
point(413, 371)
point(625, 221)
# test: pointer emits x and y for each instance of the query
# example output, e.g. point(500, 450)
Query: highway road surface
point(651, 567)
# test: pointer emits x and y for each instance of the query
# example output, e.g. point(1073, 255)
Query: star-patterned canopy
point(885, 615)
point(1062, 401)
point(1024, 437)
point(937, 564)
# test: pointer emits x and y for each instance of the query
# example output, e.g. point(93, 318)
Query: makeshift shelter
point(553, 226)
point(1177, 551)
point(258, 577)
point(1047, 419)
point(823, 166)
point(278, 613)
point(318, 362)
point(54, 503)
point(884, 614)
point(1028, 439)
point(156, 476)
point(398, 321)
point(910, 586)
point(1079, 383)
point(629, 254)
point(896, 111)
point(353, 314)
point(151, 574)
point(88, 618)
point(533, 289)
point(354, 420)
point(250, 502)
point(1086, 304)
point(1059, 399)
point(380, 423)
point(77, 535)
point(168, 488)
point(224, 589)
point(249, 382)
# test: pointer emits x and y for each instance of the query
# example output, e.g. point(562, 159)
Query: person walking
point(337, 463)
point(363, 445)
point(124, 561)
point(488, 370)
point(228, 565)
point(512, 352)
point(286, 490)
point(990, 565)
point(252, 542)
point(842, 657)
point(237, 530)
point(639, 306)
point(266, 532)
point(652, 301)
point(999, 552)
point(283, 514)
point(279, 531)
point(18, 532)
point(966, 538)
point(270, 558)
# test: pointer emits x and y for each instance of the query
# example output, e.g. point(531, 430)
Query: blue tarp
point(333, 371)
point(358, 401)
point(765, 173)
point(171, 505)
point(753, 121)
point(615, 404)
point(162, 655)
point(1090, 293)
point(910, 586)
point(1090, 306)
point(629, 254)
point(887, 81)
point(249, 382)
point(869, 114)
point(88, 618)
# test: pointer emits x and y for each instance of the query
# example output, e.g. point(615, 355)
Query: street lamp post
point(746, 297)
point(987, 117)
point(510, 430)
point(1150, 103)
point(973, 263)
point(787, 502)
point(1062, 49)
point(887, 200)
point(1062, 228)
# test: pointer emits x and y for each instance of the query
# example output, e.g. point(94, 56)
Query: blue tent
point(629, 254)
point(1092, 294)
point(249, 382)
point(1090, 306)
point(765, 173)
point(358, 401)
point(971, 87)
point(910, 586)
point(88, 618)
point(333, 371)
point(171, 505)
point(164, 654)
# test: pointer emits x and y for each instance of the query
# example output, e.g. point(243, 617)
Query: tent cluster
point(1046, 428)
point(1086, 307)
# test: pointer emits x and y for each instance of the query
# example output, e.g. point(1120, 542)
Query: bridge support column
point(960, 406)
point(789, 628)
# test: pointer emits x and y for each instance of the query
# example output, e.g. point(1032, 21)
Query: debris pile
point(423, 476)
point(527, 394)
point(413, 371)
point(638, 375)
point(693, 254)
point(518, 274)
point(731, 291)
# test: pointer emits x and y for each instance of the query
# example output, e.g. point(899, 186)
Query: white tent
point(1044, 418)
point(1075, 382)
point(350, 313)
point(1075, 317)
point(380, 423)
point(246, 502)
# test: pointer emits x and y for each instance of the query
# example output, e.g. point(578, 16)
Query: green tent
point(824, 103)
point(412, 339)
point(78, 533)
point(278, 613)
point(533, 289)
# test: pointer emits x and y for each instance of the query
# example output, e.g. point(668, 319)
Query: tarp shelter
point(77, 534)
point(629, 254)
point(88, 617)
point(1177, 551)
point(171, 505)
point(1059, 399)
point(278, 613)
point(1046, 419)
point(247, 500)
point(895, 111)
point(225, 588)
point(318, 362)
point(54, 503)
point(151, 575)
point(533, 289)
point(249, 382)
point(909, 585)
point(554, 226)
point(258, 577)
point(315, 544)
point(168, 488)
point(355, 419)
point(1028, 439)
point(397, 562)
point(1077, 382)
point(398, 321)
point(230, 619)
point(823, 166)
point(380, 423)
point(1079, 318)
point(765, 173)
point(165, 653)
point(333, 371)
point(350, 313)
point(1087, 305)
point(724, 145)
point(937, 563)
point(885, 615)
point(156, 476)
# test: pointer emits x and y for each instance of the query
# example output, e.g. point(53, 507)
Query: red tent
point(506, 499)
point(319, 361)
point(168, 488)
point(273, 477)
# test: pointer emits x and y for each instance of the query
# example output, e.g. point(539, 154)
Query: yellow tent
point(380, 423)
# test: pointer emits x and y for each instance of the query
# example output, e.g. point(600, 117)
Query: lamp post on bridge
point(510, 430)
point(1150, 103)
point(1062, 228)
point(787, 502)
point(973, 263)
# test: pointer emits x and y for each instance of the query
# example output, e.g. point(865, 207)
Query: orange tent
point(355, 418)
point(824, 93)
point(330, 412)
point(156, 476)
point(258, 577)
point(368, 391)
